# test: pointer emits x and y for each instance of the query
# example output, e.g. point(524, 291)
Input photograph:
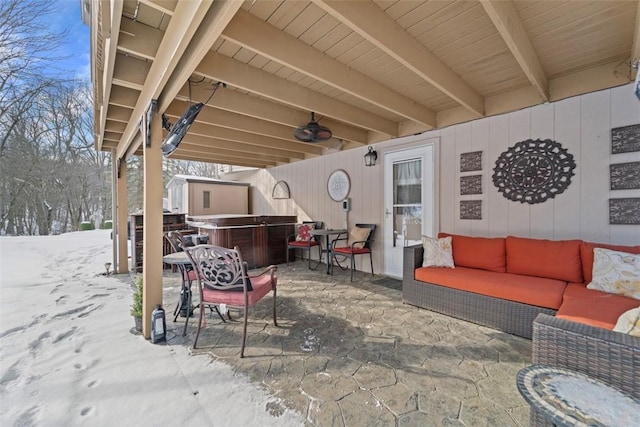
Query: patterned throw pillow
point(437, 252)
point(304, 233)
point(358, 234)
point(629, 322)
point(616, 272)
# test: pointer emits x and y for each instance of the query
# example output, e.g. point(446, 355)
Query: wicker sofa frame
point(608, 356)
point(508, 316)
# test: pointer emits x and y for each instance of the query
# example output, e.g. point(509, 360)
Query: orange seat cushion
point(478, 252)
point(586, 254)
point(592, 307)
point(536, 291)
point(261, 286)
point(553, 259)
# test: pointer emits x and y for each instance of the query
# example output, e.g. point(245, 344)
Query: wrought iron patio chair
point(354, 246)
point(185, 301)
point(302, 240)
point(223, 279)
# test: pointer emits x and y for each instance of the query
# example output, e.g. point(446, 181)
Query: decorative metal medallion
point(533, 171)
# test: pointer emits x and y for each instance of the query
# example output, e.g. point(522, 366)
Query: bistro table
point(176, 258)
point(568, 398)
point(185, 307)
point(196, 239)
point(328, 250)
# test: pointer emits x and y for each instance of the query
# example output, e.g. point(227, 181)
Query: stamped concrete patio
point(353, 354)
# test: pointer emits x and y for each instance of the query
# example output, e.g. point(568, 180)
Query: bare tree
point(57, 176)
point(25, 50)
point(183, 167)
point(52, 178)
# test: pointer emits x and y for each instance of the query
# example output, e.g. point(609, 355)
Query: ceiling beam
point(368, 20)
point(188, 145)
point(110, 50)
point(250, 141)
point(246, 124)
point(183, 24)
point(118, 114)
point(257, 35)
point(208, 33)
point(164, 6)
point(130, 72)
point(124, 97)
point(114, 136)
point(115, 126)
point(237, 102)
point(207, 139)
point(222, 68)
point(208, 149)
point(505, 18)
point(580, 82)
point(176, 155)
point(139, 39)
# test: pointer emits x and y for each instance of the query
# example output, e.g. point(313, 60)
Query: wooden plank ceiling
point(370, 71)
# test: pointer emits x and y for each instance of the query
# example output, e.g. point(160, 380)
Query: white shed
point(196, 195)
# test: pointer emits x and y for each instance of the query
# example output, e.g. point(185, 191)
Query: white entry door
point(410, 202)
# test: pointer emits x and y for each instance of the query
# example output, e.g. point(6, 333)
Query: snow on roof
point(181, 179)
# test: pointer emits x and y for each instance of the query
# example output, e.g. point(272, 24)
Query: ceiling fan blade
point(312, 132)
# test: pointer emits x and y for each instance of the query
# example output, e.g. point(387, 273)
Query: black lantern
point(371, 157)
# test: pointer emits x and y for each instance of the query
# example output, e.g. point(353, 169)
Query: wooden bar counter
point(261, 239)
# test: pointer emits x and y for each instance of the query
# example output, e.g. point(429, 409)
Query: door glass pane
point(407, 202)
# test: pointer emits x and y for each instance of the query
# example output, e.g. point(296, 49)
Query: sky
point(76, 48)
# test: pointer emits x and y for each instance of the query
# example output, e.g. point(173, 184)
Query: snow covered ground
point(67, 356)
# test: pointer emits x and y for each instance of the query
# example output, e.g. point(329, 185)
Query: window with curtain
point(407, 201)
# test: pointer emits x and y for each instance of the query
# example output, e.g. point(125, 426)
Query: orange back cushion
point(478, 252)
point(586, 253)
point(554, 259)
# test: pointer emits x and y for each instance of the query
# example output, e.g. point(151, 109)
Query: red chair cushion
point(190, 275)
point(347, 250)
point(261, 287)
point(303, 244)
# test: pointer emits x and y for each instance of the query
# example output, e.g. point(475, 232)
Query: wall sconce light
point(371, 157)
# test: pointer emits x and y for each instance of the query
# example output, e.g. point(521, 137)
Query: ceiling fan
point(312, 132)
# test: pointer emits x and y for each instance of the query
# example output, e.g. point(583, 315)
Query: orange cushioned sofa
point(504, 283)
